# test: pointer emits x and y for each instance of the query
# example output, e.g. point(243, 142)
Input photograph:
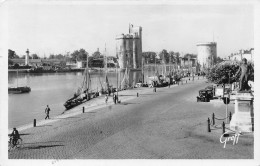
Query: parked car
point(203, 96)
point(210, 91)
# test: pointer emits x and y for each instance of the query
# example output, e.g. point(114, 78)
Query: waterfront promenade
point(167, 124)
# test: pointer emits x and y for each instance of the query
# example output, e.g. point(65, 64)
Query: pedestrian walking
point(114, 98)
point(47, 112)
point(106, 98)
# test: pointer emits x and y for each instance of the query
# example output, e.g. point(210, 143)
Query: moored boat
point(83, 93)
point(19, 90)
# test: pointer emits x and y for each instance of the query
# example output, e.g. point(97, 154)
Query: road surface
point(167, 124)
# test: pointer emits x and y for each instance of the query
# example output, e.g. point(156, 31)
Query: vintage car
point(203, 96)
point(210, 91)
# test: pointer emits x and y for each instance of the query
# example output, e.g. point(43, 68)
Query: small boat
point(18, 90)
point(83, 93)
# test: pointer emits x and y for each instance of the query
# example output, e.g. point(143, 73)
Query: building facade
point(129, 48)
point(238, 56)
point(207, 54)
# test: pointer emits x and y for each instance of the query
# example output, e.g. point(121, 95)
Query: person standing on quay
point(114, 98)
point(106, 98)
point(47, 111)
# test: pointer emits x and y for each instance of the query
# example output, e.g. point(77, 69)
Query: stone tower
point(207, 54)
point(129, 48)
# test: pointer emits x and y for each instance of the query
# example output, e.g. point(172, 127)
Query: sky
point(46, 28)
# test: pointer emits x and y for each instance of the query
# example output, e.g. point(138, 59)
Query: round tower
point(121, 50)
point(129, 50)
point(135, 51)
point(207, 54)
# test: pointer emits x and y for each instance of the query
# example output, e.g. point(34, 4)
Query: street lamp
point(117, 80)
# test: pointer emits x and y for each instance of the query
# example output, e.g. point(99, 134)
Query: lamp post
point(117, 80)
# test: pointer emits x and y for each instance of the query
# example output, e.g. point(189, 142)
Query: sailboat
point(125, 82)
point(18, 90)
point(108, 88)
point(83, 93)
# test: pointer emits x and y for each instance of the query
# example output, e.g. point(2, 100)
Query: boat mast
point(17, 78)
point(88, 76)
point(106, 59)
point(142, 70)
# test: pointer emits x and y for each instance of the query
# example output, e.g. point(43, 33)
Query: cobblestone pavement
point(167, 124)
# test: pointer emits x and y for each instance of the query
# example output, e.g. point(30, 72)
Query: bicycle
point(19, 144)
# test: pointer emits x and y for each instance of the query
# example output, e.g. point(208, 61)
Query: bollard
point(209, 125)
point(154, 89)
point(223, 127)
point(230, 116)
point(213, 119)
point(137, 94)
point(34, 122)
point(186, 81)
point(83, 109)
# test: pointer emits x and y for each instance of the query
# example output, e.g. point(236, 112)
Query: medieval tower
point(207, 54)
point(129, 48)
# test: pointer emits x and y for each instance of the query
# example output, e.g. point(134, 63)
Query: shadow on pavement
point(126, 103)
point(42, 146)
point(126, 95)
point(25, 134)
point(44, 126)
point(71, 117)
point(44, 142)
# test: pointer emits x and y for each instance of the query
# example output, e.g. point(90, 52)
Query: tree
point(172, 57)
point(164, 55)
point(177, 57)
point(59, 56)
point(220, 73)
point(79, 55)
point(10, 62)
point(12, 54)
point(97, 55)
point(218, 60)
point(35, 56)
point(149, 57)
point(52, 56)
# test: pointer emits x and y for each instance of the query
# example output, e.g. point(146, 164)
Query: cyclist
point(15, 136)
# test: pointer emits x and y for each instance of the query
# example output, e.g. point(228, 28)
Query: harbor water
point(54, 89)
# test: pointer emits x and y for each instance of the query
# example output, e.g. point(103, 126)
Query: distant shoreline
point(70, 70)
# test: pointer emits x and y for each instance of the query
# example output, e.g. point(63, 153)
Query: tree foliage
point(79, 55)
point(225, 72)
point(35, 56)
point(12, 54)
point(164, 55)
point(58, 56)
point(149, 57)
point(97, 55)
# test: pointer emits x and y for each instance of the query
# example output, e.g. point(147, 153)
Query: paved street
point(168, 124)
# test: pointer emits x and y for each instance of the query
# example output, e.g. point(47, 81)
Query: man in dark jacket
point(15, 136)
point(47, 111)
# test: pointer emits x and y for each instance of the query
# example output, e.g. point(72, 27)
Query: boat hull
point(75, 101)
point(19, 90)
